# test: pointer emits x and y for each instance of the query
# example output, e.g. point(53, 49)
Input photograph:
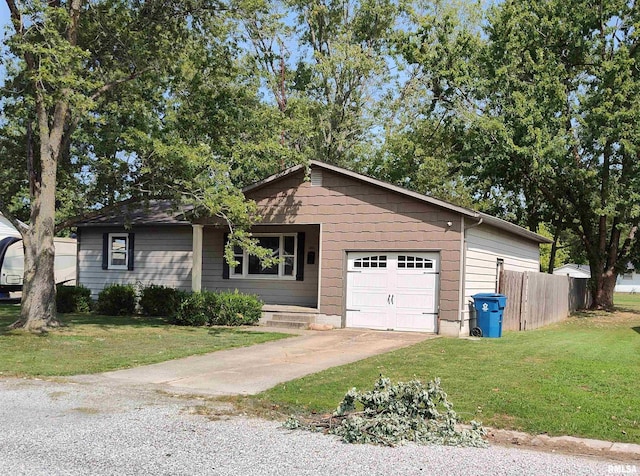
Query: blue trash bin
point(489, 309)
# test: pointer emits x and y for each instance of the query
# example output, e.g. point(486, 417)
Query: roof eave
point(129, 224)
point(488, 219)
point(515, 229)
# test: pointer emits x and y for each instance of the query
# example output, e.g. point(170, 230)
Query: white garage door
point(392, 290)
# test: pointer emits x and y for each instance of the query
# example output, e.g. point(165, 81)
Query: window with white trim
point(282, 246)
point(118, 250)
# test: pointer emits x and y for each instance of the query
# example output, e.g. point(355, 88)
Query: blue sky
point(4, 23)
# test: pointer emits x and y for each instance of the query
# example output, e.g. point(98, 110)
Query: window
point(414, 262)
point(282, 246)
point(628, 274)
point(371, 262)
point(118, 250)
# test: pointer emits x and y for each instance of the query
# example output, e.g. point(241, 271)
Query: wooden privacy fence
point(537, 299)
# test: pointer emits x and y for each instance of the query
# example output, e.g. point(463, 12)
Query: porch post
point(196, 267)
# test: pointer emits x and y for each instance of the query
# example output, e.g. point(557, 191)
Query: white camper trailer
point(12, 259)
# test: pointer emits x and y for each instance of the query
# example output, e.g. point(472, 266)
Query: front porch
point(290, 290)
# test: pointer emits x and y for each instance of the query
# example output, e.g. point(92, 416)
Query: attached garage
point(392, 290)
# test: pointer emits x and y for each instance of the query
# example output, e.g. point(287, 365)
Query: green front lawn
point(89, 343)
point(627, 301)
point(579, 378)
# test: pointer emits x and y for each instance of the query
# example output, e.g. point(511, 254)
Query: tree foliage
point(114, 100)
point(559, 123)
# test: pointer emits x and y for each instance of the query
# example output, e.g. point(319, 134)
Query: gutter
point(463, 267)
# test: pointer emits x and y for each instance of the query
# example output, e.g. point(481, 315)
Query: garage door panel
point(373, 280)
point(367, 300)
point(413, 281)
point(416, 321)
point(425, 302)
point(367, 319)
point(367, 289)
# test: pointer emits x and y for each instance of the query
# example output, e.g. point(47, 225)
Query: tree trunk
point(38, 311)
point(602, 288)
point(552, 255)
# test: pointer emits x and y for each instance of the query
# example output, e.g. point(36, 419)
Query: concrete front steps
point(291, 317)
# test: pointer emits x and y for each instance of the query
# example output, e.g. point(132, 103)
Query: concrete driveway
point(250, 370)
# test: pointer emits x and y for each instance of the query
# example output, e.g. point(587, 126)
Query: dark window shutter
point(225, 265)
point(105, 250)
point(130, 251)
point(300, 258)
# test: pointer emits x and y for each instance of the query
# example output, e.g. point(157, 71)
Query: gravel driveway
point(50, 428)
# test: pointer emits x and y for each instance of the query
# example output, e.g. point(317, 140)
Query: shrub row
point(187, 309)
point(73, 299)
point(218, 309)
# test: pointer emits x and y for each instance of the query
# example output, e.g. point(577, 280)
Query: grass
point(627, 301)
point(577, 378)
point(91, 343)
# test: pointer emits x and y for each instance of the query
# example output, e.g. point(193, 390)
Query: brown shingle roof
point(153, 212)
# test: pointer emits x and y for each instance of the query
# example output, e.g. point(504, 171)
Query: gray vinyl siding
point(271, 291)
point(485, 245)
point(162, 255)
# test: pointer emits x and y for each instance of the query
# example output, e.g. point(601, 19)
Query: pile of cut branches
point(393, 414)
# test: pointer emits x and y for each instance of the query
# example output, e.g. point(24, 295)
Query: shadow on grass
point(225, 330)
point(8, 315)
point(113, 321)
point(637, 329)
point(629, 310)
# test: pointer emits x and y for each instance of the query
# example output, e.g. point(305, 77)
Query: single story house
point(355, 251)
point(574, 270)
point(629, 281)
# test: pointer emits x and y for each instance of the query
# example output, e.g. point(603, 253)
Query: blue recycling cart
point(489, 311)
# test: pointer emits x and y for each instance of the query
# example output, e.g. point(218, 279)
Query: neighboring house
point(628, 282)
point(357, 251)
point(12, 259)
point(574, 270)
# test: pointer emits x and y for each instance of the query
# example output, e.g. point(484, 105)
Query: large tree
point(327, 66)
point(558, 123)
point(98, 109)
point(435, 48)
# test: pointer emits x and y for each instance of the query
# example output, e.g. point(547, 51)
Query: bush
point(73, 299)
point(218, 309)
point(236, 309)
point(117, 300)
point(158, 300)
point(191, 311)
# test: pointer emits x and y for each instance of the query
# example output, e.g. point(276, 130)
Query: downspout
point(463, 267)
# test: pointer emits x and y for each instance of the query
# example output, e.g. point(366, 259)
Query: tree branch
point(16, 16)
point(18, 225)
point(109, 86)
point(628, 242)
